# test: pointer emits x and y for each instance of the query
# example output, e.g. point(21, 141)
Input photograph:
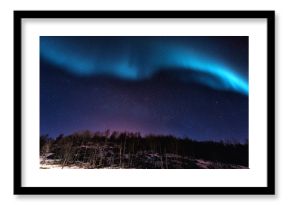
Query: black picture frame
point(19, 189)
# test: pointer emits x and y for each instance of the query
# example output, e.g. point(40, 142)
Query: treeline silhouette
point(131, 150)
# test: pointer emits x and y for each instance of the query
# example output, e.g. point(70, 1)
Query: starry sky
point(186, 86)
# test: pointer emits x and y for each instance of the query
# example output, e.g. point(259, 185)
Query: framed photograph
point(144, 102)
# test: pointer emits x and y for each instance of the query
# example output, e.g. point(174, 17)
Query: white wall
point(282, 98)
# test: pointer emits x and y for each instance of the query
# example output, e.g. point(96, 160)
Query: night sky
point(186, 86)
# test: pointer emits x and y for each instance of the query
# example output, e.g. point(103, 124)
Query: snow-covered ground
point(198, 164)
point(203, 164)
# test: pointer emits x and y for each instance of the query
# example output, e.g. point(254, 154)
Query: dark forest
point(130, 150)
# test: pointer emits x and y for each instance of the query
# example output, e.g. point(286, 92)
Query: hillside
point(132, 151)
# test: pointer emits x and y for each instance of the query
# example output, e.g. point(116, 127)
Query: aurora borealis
point(181, 85)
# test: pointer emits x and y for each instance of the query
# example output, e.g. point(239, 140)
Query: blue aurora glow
point(126, 62)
